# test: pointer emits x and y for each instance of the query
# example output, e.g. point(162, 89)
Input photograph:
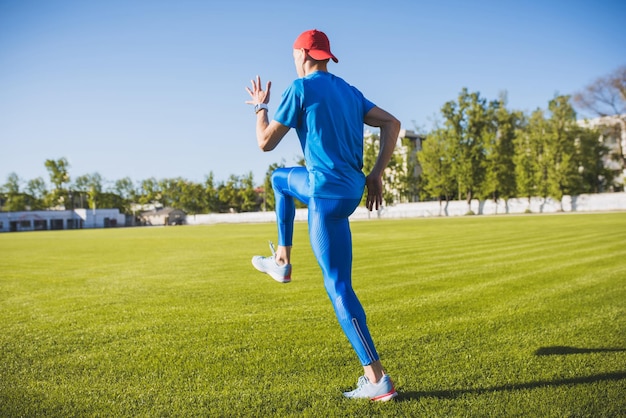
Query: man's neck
point(312, 66)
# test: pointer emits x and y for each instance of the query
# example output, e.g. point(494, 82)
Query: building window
point(41, 225)
point(56, 224)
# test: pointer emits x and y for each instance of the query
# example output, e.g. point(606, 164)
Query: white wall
point(95, 219)
point(583, 203)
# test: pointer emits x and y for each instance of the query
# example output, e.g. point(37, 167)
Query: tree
point(227, 194)
point(108, 199)
point(467, 123)
point(437, 159)
point(500, 152)
point(171, 192)
point(125, 188)
point(89, 185)
point(525, 158)
point(37, 189)
point(149, 191)
point(606, 97)
point(410, 180)
point(563, 174)
point(120, 196)
point(247, 196)
point(551, 154)
point(590, 156)
point(193, 198)
point(183, 194)
point(212, 203)
point(536, 157)
point(14, 198)
point(395, 179)
point(59, 176)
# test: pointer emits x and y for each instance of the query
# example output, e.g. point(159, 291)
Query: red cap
point(316, 44)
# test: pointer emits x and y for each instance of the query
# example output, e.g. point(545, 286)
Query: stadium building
point(42, 220)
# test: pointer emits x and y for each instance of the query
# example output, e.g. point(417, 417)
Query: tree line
point(482, 150)
point(478, 149)
point(238, 193)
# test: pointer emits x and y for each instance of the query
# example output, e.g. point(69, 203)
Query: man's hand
point(257, 94)
point(374, 186)
point(389, 130)
point(268, 134)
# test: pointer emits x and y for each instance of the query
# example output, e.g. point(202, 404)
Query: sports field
point(472, 316)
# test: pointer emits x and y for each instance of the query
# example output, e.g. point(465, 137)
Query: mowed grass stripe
point(518, 249)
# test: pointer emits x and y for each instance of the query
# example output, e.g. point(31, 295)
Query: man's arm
point(268, 134)
point(389, 130)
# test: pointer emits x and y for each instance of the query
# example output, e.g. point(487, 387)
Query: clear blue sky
point(156, 88)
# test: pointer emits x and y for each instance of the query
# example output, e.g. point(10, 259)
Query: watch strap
point(259, 106)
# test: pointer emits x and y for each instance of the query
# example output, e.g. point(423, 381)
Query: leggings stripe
point(364, 342)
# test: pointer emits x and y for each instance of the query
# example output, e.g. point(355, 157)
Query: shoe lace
point(272, 249)
point(362, 382)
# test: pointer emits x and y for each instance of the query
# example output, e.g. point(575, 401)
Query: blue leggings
point(331, 241)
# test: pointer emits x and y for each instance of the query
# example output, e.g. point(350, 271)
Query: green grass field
point(472, 316)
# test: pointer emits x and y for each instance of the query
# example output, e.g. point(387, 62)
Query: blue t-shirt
point(327, 114)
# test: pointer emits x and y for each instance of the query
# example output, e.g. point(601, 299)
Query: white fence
point(582, 203)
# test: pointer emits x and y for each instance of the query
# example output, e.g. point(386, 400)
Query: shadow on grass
point(562, 350)
point(452, 394)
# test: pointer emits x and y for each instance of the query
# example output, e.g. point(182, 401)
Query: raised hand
point(257, 94)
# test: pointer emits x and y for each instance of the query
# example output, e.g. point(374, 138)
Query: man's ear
point(303, 53)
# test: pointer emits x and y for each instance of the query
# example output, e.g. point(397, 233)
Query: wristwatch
point(259, 106)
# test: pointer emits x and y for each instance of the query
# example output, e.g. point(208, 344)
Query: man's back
point(327, 114)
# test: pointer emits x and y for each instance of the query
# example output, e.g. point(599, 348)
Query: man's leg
point(288, 183)
point(331, 241)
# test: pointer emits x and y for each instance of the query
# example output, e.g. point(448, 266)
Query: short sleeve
point(288, 111)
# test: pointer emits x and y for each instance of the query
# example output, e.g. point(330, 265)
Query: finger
point(374, 201)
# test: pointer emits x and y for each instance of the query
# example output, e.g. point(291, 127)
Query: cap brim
point(322, 55)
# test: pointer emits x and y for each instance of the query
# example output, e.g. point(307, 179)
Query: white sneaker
point(269, 266)
point(381, 391)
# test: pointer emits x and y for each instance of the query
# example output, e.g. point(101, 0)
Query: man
point(328, 115)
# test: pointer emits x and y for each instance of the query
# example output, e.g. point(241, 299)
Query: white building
point(408, 144)
point(613, 136)
point(41, 220)
point(163, 216)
